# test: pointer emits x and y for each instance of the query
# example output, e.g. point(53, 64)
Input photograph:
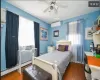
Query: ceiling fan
point(53, 6)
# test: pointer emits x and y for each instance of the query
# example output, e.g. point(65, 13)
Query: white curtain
point(75, 36)
point(26, 32)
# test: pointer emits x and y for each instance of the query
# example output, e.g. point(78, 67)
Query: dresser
point(50, 49)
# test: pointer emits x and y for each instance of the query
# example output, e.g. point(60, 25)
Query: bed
point(56, 62)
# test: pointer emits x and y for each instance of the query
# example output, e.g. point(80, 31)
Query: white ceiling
point(36, 8)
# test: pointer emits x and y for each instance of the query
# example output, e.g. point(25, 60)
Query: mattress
point(61, 59)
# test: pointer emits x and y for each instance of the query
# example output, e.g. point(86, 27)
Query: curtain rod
point(75, 20)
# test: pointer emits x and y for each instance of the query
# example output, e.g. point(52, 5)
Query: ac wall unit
point(3, 15)
point(56, 24)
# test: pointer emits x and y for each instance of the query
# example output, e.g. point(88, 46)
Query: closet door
point(12, 24)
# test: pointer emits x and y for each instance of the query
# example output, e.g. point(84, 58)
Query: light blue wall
point(43, 44)
point(89, 20)
point(3, 31)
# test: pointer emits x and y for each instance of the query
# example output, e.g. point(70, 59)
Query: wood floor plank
point(12, 76)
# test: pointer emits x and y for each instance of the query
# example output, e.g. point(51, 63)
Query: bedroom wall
point(89, 20)
point(43, 44)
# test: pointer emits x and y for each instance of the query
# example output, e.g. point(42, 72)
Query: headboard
point(63, 42)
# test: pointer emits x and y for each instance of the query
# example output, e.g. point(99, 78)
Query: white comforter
point(62, 60)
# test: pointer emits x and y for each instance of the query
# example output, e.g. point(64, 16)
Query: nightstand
point(51, 48)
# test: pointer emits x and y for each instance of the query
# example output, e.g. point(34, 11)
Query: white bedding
point(61, 59)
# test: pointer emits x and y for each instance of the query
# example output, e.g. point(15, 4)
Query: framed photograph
point(56, 33)
point(88, 34)
point(98, 46)
point(43, 34)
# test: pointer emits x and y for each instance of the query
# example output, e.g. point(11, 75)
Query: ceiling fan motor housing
point(51, 7)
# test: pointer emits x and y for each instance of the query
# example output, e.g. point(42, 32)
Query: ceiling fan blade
point(46, 9)
point(56, 11)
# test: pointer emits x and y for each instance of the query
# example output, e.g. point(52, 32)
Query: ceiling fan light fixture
point(53, 6)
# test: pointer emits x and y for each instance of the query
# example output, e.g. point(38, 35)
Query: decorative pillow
point(66, 47)
point(61, 48)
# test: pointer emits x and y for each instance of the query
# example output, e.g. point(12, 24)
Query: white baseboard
point(9, 70)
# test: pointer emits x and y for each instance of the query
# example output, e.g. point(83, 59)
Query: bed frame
point(50, 67)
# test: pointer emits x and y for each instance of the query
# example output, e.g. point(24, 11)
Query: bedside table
point(51, 48)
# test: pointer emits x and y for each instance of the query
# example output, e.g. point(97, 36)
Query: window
point(26, 32)
point(74, 37)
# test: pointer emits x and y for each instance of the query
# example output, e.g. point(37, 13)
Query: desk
point(92, 60)
point(94, 64)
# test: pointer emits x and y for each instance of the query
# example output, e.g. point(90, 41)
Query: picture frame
point(98, 46)
point(56, 33)
point(88, 34)
point(43, 34)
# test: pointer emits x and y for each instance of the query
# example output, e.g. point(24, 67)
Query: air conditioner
point(56, 24)
point(3, 15)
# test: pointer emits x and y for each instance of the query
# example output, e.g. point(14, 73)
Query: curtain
point(0, 39)
point(80, 49)
point(37, 37)
point(12, 24)
point(75, 35)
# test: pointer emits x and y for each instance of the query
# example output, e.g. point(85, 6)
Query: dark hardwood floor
point(74, 71)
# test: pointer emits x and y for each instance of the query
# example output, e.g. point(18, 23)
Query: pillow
point(66, 47)
point(69, 47)
point(61, 48)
